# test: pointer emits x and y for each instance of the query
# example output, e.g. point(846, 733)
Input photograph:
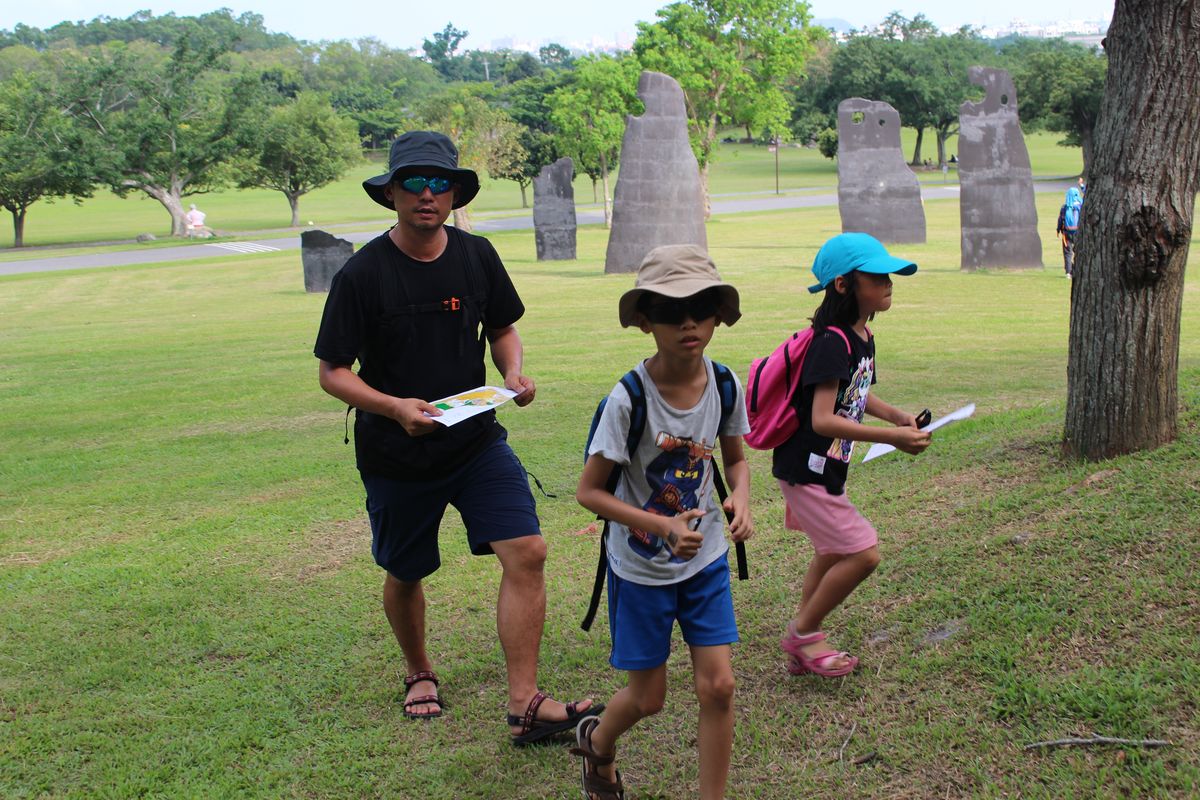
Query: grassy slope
point(190, 608)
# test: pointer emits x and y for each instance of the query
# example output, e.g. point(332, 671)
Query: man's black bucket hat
point(417, 149)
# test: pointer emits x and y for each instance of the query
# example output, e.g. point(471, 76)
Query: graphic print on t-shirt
point(852, 405)
point(675, 477)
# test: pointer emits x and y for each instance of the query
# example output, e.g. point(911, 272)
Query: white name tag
point(816, 463)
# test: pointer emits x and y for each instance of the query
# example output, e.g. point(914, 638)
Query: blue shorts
point(490, 492)
point(641, 617)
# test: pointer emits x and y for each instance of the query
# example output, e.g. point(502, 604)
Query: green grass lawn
point(737, 168)
point(191, 610)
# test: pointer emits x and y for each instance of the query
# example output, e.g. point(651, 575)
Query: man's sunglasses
point(698, 307)
point(415, 184)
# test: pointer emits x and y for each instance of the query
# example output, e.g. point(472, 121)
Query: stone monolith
point(877, 192)
point(554, 211)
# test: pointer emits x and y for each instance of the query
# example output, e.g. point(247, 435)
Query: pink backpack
point(772, 382)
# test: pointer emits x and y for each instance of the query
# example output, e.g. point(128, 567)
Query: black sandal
point(423, 700)
point(534, 730)
point(595, 787)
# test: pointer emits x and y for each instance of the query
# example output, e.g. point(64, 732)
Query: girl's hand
point(680, 538)
point(741, 527)
point(903, 419)
point(910, 440)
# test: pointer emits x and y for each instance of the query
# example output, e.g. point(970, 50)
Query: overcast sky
point(406, 24)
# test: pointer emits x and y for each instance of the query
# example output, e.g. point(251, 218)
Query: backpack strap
point(727, 391)
point(637, 426)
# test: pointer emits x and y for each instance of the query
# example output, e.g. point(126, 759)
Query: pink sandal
point(800, 664)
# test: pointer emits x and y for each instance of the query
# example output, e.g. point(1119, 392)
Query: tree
point(163, 125)
point(1126, 301)
point(722, 52)
point(528, 103)
point(488, 140)
point(555, 56)
point(589, 113)
point(1059, 85)
point(303, 145)
point(42, 154)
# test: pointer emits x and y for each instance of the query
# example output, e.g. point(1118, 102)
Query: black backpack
point(727, 391)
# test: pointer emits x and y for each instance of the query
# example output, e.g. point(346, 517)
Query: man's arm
point(508, 354)
point(341, 382)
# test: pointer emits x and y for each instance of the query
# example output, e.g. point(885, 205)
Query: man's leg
point(520, 617)
point(404, 604)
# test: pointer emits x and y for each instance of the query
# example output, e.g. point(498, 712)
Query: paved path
point(720, 205)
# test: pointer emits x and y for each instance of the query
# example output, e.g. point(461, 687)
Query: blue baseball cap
point(855, 251)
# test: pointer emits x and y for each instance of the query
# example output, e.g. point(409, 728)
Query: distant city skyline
point(522, 22)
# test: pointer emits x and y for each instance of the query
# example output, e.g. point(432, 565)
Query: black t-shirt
point(808, 457)
point(416, 330)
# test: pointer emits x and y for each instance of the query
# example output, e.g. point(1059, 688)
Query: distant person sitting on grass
point(416, 307)
point(195, 222)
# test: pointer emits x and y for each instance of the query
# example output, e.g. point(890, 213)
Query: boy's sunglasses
point(698, 307)
point(415, 184)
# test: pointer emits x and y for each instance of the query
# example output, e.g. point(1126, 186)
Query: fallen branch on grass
point(842, 749)
point(1075, 742)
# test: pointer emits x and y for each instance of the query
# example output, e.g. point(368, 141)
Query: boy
point(666, 544)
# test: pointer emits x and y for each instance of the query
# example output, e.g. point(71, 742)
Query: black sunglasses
point(415, 184)
point(698, 307)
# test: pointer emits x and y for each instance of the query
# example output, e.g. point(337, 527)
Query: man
point(414, 307)
point(195, 221)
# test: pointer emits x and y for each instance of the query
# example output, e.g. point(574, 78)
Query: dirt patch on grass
point(322, 549)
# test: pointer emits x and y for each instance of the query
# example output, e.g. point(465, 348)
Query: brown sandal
point(534, 730)
point(595, 787)
point(423, 700)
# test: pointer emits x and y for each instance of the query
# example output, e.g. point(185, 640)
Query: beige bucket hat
point(679, 270)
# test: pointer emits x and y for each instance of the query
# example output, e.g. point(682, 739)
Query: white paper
point(465, 405)
point(878, 449)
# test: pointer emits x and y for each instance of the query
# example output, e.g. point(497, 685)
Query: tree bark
point(916, 162)
point(1123, 361)
point(462, 219)
point(18, 215)
point(524, 202)
point(607, 204)
point(704, 191)
point(294, 202)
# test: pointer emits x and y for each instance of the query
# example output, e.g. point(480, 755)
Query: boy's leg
point(714, 689)
point(643, 696)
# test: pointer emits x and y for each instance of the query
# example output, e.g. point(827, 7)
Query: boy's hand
point(415, 415)
point(680, 538)
point(741, 527)
point(910, 440)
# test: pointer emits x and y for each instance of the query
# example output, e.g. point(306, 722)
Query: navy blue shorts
point(490, 492)
point(641, 617)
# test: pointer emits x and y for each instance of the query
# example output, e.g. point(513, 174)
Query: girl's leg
point(643, 696)
point(714, 688)
point(837, 580)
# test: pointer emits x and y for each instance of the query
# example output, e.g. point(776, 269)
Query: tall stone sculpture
point(554, 211)
point(322, 255)
point(999, 218)
point(658, 199)
point(877, 192)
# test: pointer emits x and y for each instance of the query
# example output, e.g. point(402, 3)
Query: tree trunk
point(524, 202)
point(607, 204)
point(462, 219)
point(294, 202)
point(916, 162)
point(942, 136)
point(18, 215)
point(704, 189)
point(1123, 358)
point(1086, 139)
point(595, 199)
point(749, 134)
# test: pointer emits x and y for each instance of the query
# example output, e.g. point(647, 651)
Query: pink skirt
point(830, 520)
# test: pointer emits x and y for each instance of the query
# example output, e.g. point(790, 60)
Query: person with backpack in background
point(667, 552)
point(833, 393)
point(1068, 226)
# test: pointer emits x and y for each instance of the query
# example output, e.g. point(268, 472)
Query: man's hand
point(910, 440)
point(523, 386)
point(415, 415)
point(681, 539)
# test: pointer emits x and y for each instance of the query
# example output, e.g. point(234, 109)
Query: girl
point(854, 270)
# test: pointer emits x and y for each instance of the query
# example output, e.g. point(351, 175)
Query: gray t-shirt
point(671, 472)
